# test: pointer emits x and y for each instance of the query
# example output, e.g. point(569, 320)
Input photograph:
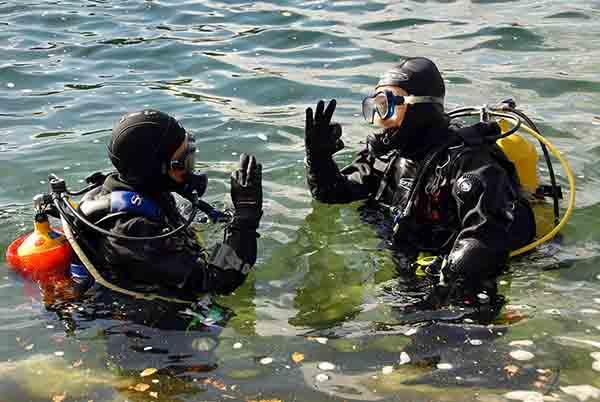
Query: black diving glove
point(322, 139)
point(246, 194)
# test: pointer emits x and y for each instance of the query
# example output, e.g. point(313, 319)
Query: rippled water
point(239, 75)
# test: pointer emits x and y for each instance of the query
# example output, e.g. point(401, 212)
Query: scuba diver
point(450, 192)
point(154, 156)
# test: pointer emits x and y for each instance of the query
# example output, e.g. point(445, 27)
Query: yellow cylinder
point(523, 155)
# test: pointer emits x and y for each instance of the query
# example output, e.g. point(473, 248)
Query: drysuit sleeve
point(487, 201)
point(179, 261)
point(331, 185)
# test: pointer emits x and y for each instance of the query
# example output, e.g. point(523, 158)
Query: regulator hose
point(572, 191)
point(99, 278)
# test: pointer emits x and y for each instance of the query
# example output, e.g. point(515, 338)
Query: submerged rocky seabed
point(326, 316)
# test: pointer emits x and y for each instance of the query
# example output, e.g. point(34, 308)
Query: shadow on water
point(364, 326)
point(389, 332)
point(120, 346)
point(380, 330)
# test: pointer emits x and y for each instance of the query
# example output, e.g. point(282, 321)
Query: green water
point(239, 75)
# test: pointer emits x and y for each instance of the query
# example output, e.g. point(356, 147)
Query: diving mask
point(193, 182)
point(384, 104)
point(187, 161)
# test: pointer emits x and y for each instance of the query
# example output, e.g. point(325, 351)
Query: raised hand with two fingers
point(322, 138)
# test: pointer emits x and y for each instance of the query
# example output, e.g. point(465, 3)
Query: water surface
point(239, 75)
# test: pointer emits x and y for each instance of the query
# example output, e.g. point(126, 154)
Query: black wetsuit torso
point(177, 262)
point(469, 208)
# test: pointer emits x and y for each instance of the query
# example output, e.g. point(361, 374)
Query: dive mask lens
point(382, 103)
point(188, 159)
point(368, 109)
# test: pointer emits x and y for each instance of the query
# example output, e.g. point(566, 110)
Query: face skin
point(396, 120)
point(178, 175)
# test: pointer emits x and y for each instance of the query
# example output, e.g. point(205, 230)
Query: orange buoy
point(41, 255)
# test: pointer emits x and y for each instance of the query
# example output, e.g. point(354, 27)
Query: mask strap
point(412, 99)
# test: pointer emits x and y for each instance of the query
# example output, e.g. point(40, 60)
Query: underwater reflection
point(176, 343)
point(138, 333)
point(339, 269)
point(435, 361)
point(394, 331)
point(326, 273)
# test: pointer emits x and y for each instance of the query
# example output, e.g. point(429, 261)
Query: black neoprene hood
point(417, 76)
point(143, 143)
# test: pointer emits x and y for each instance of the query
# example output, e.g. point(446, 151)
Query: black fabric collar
point(415, 145)
point(115, 182)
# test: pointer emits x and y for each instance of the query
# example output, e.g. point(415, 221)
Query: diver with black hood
point(154, 156)
point(448, 192)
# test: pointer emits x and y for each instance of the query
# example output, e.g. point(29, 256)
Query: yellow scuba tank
point(523, 154)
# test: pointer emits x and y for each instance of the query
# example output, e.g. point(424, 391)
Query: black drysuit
point(470, 207)
point(177, 262)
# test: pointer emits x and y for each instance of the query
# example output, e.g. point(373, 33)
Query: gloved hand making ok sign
point(322, 138)
point(246, 193)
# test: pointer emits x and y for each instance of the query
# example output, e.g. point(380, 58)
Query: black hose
point(63, 198)
point(465, 112)
point(548, 163)
point(512, 130)
point(84, 190)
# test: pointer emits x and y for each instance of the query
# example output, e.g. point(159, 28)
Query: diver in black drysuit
point(468, 209)
point(154, 156)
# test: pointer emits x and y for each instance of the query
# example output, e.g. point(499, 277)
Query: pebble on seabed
point(237, 345)
point(410, 331)
point(582, 392)
point(476, 342)
point(404, 358)
point(266, 360)
point(521, 355)
point(444, 366)
point(322, 377)
point(387, 369)
point(521, 342)
point(526, 396)
point(326, 366)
